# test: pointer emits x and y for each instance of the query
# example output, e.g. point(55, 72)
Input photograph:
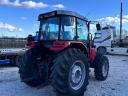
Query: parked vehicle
point(107, 41)
point(11, 50)
point(11, 55)
point(62, 55)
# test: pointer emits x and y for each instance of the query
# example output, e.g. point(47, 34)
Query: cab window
point(82, 29)
point(68, 28)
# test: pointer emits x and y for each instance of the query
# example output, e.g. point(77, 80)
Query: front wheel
point(101, 67)
point(70, 73)
point(102, 50)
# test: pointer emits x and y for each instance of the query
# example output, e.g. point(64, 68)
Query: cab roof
point(60, 12)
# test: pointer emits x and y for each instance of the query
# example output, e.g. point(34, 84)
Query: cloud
point(114, 20)
point(125, 17)
point(92, 26)
point(4, 1)
point(30, 4)
point(9, 27)
point(25, 4)
point(61, 6)
point(36, 25)
point(23, 18)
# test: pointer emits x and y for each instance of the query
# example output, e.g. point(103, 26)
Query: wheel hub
point(77, 75)
point(105, 69)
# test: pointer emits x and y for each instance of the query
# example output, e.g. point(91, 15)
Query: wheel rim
point(105, 69)
point(77, 75)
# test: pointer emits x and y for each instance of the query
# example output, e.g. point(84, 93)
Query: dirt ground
point(115, 85)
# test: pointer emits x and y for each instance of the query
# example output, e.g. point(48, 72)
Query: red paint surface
point(92, 54)
point(59, 45)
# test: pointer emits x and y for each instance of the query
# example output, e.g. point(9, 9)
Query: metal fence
point(6, 42)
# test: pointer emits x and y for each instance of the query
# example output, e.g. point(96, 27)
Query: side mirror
point(98, 26)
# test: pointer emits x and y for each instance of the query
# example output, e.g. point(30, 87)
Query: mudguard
point(62, 45)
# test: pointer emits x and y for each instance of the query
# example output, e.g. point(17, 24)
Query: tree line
point(10, 42)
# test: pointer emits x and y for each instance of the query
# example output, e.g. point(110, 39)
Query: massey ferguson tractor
point(62, 55)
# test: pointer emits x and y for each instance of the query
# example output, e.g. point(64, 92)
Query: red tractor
point(62, 55)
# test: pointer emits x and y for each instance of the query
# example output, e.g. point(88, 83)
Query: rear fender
point(62, 45)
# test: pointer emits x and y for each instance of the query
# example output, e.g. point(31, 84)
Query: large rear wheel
point(30, 69)
point(70, 73)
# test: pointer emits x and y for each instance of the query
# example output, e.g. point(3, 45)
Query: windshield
point(49, 28)
point(63, 28)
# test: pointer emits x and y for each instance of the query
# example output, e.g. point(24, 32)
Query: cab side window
point(82, 29)
point(68, 27)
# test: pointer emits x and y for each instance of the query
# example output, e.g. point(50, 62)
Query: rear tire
point(70, 73)
point(30, 71)
point(101, 67)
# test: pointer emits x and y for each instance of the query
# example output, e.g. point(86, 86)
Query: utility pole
point(121, 10)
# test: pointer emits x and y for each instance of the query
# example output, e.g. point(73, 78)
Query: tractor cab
point(62, 26)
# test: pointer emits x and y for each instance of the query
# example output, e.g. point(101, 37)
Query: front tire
point(101, 67)
point(102, 50)
point(70, 73)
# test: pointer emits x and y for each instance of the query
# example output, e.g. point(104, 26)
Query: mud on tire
point(70, 73)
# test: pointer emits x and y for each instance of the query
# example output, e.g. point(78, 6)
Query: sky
point(18, 18)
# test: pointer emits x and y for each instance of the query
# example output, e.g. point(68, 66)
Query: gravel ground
point(115, 85)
